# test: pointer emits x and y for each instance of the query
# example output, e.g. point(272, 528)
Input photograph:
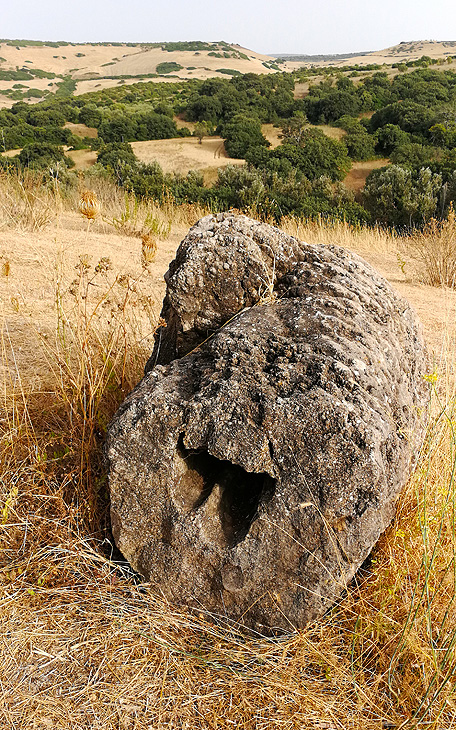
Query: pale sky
point(282, 26)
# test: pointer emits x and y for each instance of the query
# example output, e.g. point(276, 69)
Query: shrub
point(113, 154)
point(42, 155)
point(398, 197)
point(167, 67)
point(241, 134)
point(360, 145)
point(389, 137)
point(316, 155)
point(408, 115)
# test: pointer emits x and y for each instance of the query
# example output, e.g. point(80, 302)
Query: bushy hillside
point(27, 67)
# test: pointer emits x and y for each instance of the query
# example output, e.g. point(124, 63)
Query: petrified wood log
point(253, 475)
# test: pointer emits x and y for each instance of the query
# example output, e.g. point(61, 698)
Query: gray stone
point(224, 264)
point(252, 476)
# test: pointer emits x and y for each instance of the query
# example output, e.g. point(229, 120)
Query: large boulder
point(252, 476)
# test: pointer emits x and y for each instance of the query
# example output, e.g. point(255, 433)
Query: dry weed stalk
point(25, 202)
point(148, 250)
point(5, 265)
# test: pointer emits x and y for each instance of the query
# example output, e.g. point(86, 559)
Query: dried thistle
point(104, 265)
point(148, 250)
point(84, 263)
point(89, 205)
point(123, 280)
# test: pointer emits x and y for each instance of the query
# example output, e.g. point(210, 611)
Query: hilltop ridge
point(31, 70)
point(35, 69)
point(403, 51)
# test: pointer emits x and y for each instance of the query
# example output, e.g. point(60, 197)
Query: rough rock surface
point(252, 476)
point(224, 264)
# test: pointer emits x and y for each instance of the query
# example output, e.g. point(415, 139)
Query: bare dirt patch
point(11, 153)
point(356, 178)
point(81, 130)
point(83, 159)
point(185, 154)
point(272, 134)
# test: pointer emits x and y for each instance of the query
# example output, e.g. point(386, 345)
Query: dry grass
point(83, 159)
point(85, 646)
point(432, 252)
point(183, 154)
point(81, 130)
point(24, 201)
point(356, 178)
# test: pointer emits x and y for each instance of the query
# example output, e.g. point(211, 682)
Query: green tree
point(360, 144)
point(293, 129)
point(396, 196)
point(316, 155)
point(389, 137)
point(413, 155)
point(242, 133)
point(39, 155)
point(408, 115)
point(90, 115)
point(200, 131)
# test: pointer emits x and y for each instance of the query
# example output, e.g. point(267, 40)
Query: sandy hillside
point(93, 66)
point(147, 61)
point(85, 87)
point(407, 51)
point(63, 60)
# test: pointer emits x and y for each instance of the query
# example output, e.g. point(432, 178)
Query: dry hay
point(82, 130)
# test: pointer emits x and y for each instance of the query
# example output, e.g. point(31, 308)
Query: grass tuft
point(432, 251)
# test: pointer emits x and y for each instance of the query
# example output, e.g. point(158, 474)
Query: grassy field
point(357, 176)
point(84, 645)
point(408, 51)
point(185, 153)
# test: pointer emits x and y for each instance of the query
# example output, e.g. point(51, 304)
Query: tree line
point(409, 119)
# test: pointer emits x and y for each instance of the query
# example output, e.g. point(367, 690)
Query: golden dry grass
point(89, 64)
point(84, 645)
point(83, 159)
point(183, 154)
point(357, 176)
point(81, 130)
point(401, 52)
